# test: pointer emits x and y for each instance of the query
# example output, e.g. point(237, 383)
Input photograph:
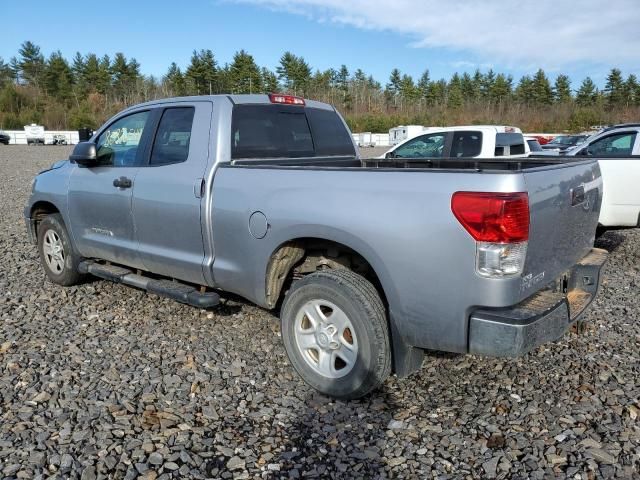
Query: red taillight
point(493, 217)
point(285, 99)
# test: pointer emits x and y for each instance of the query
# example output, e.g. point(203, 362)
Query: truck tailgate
point(564, 203)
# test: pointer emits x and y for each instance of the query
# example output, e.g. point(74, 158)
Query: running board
point(180, 292)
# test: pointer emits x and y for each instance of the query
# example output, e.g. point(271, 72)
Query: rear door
point(100, 197)
point(168, 192)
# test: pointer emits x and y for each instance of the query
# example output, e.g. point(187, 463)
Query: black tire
point(361, 303)
point(68, 275)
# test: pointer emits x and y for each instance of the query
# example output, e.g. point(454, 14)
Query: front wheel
point(58, 259)
point(334, 329)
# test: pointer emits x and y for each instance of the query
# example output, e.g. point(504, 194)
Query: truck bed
point(444, 164)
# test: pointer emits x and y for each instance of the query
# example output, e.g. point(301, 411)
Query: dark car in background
point(4, 138)
point(563, 142)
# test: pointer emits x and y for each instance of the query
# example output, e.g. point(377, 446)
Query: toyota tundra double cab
point(367, 261)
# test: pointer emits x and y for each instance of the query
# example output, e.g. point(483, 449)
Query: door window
point(466, 144)
point(118, 145)
point(422, 147)
point(173, 137)
point(618, 145)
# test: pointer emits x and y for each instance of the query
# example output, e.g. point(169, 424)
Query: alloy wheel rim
point(53, 251)
point(326, 339)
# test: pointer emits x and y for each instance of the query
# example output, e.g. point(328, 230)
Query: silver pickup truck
point(369, 262)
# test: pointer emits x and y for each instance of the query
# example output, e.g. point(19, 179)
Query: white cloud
point(546, 33)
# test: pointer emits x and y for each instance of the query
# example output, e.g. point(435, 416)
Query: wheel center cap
point(323, 339)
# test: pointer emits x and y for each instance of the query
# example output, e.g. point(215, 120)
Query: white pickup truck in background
point(483, 141)
point(618, 151)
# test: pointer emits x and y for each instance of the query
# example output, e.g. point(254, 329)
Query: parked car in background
point(618, 149)
point(563, 142)
point(484, 141)
point(4, 138)
point(534, 144)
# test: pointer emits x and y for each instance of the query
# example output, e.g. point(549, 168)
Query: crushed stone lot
point(105, 381)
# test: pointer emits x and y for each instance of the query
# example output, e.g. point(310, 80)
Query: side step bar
point(180, 292)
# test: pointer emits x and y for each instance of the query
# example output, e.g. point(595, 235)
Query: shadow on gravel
point(338, 439)
point(610, 241)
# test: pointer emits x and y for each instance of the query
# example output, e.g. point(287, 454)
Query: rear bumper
point(543, 317)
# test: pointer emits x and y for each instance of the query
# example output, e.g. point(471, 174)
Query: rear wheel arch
point(297, 257)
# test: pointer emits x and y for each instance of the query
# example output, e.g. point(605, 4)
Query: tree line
point(84, 91)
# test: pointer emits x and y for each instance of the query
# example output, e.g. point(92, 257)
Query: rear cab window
point(509, 144)
point(280, 131)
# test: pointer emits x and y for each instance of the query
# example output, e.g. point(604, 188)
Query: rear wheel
point(334, 329)
point(58, 259)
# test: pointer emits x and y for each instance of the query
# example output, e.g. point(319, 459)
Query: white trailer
point(403, 132)
point(34, 134)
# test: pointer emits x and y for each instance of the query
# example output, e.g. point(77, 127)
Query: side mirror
point(85, 154)
point(390, 155)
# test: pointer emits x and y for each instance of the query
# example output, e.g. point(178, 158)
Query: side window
point(173, 137)
point(422, 147)
point(466, 144)
point(117, 146)
point(618, 145)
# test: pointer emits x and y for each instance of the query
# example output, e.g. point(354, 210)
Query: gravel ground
point(104, 381)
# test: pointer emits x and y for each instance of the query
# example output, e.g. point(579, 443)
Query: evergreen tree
point(408, 89)
point(454, 92)
point(201, 74)
point(6, 75)
point(487, 83)
point(245, 74)
point(501, 89)
point(468, 88)
point(342, 79)
point(395, 79)
point(587, 93)
point(174, 79)
point(31, 63)
point(631, 90)
point(269, 81)
point(524, 91)
point(58, 77)
point(423, 85)
point(542, 91)
point(614, 89)
point(562, 89)
point(295, 72)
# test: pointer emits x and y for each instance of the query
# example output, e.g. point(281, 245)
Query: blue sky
point(514, 37)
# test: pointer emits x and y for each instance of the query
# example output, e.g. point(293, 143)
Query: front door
point(168, 190)
point(100, 197)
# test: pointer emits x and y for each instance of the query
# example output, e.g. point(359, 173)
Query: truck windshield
point(277, 131)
